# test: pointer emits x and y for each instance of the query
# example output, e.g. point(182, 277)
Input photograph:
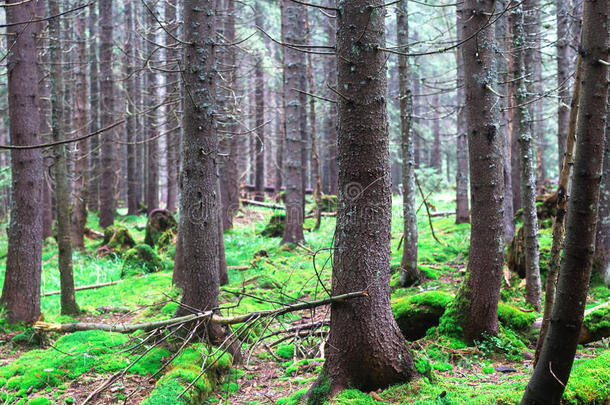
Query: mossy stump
point(275, 226)
point(117, 239)
point(417, 313)
point(328, 203)
point(159, 222)
point(140, 259)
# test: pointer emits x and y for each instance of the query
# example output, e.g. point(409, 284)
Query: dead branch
point(85, 287)
point(262, 204)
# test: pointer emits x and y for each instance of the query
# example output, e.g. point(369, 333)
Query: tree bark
point(330, 122)
point(172, 92)
point(475, 306)
point(130, 126)
point(108, 156)
point(553, 368)
point(365, 348)
point(409, 273)
point(94, 107)
point(462, 211)
point(152, 124)
point(435, 156)
point(21, 290)
point(563, 74)
point(602, 240)
point(60, 165)
point(526, 158)
point(259, 93)
point(81, 117)
point(293, 22)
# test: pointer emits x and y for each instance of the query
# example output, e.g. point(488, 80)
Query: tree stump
point(159, 221)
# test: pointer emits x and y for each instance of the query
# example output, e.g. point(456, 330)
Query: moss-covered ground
point(64, 369)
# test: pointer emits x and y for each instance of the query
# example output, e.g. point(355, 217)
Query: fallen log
point(93, 234)
point(324, 214)
point(262, 204)
point(441, 214)
point(238, 267)
point(84, 287)
point(220, 320)
point(596, 324)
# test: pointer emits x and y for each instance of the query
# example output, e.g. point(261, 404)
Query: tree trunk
point(21, 290)
point(365, 348)
point(130, 126)
point(152, 124)
point(553, 368)
point(526, 159)
point(563, 75)
point(435, 157)
point(172, 92)
point(108, 155)
point(331, 119)
point(259, 98)
point(81, 164)
point(602, 241)
point(474, 309)
point(94, 107)
point(462, 214)
point(293, 22)
point(409, 273)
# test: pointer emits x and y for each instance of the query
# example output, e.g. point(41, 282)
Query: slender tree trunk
point(21, 290)
point(293, 21)
point(259, 108)
point(474, 309)
point(94, 107)
point(462, 214)
point(409, 273)
point(60, 165)
point(365, 348)
point(436, 161)
point(528, 173)
point(132, 164)
point(81, 121)
point(108, 156)
point(553, 368)
point(563, 74)
point(172, 92)
point(602, 240)
point(417, 151)
point(152, 124)
point(331, 119)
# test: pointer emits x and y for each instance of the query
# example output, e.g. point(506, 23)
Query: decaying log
point(587, 335)
point(84, 287)
point(262, 204)
point(220, 320)
point(93, 234)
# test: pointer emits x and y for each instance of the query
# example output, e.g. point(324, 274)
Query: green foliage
point(507, 343)
point(275, 226)
point(598, 320)
point(329, 202)
point(318, 394)
point(294, 399)
point(117, 238)
point(140, 259)
point(285, 351)
point(29, 338)
point(488, 369)
point(39, 401)
point(513, 318)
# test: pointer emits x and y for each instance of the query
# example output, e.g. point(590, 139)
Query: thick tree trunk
point(94, 108)
point(553, 368)
point(81, 117)
point(462, 214)
point(293, 22)
point(523, 128)
point(409, 273)
point(475, 307)
point(365, 348)
point(108, 156)
point(21, 290)
point(602, 241)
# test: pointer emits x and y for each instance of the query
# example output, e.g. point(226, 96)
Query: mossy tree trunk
point(62, 187)
point(21, 289)
point(475, 307)
point(553, 368)
point(409, 274)
point(365, 348)
point(523, 128)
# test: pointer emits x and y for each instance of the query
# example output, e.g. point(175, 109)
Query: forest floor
point(56, 368)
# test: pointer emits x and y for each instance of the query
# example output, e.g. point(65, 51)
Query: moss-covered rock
point(417, 313)
point(275, 226)
point(117, 239)
point(589, 381)
point(159, 222)
point(140, 259)
point(596, 325)
point(514, 318)
point(329, 202)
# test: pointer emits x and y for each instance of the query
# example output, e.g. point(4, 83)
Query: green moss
point(159, 223)
point(513, 318)
point(294, 399)
point(598, 320)
point(442, 366)
point(117, 238)
point(285, 351)
point(488, 369)
point(166, 242)
point(141, 258)
point(452, 321)
point(416, 314)
point(318, 394)
point(329, 202)
point(275, 226)
point(302, 365)
point(354, 397)
point(39, 401)
point(589, 381)
point(422, 365)
point(169, 308)
point(29, 338)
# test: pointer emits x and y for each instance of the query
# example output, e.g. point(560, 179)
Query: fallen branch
point(85, 287)
point(441, 214)
point(220, 320)
point(93, 234)
point(324, 214)
point(238, 267)
point(262, 204)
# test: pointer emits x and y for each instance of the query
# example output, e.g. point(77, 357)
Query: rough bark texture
point(602, 241)
point(60, 166)
point(409, 273)
point(365, 348)
point(523, 129)
point(21, 290)
point(330, 123)
point(108, 156)
point(173, 126)
point(435, 155)
point(293, 22)
point(132, 165)
point(94, 107)
point(259, 93)
point(81, 119)
point(462, 214)
point(152, 124)
point(475, 306)
point(553, 368)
